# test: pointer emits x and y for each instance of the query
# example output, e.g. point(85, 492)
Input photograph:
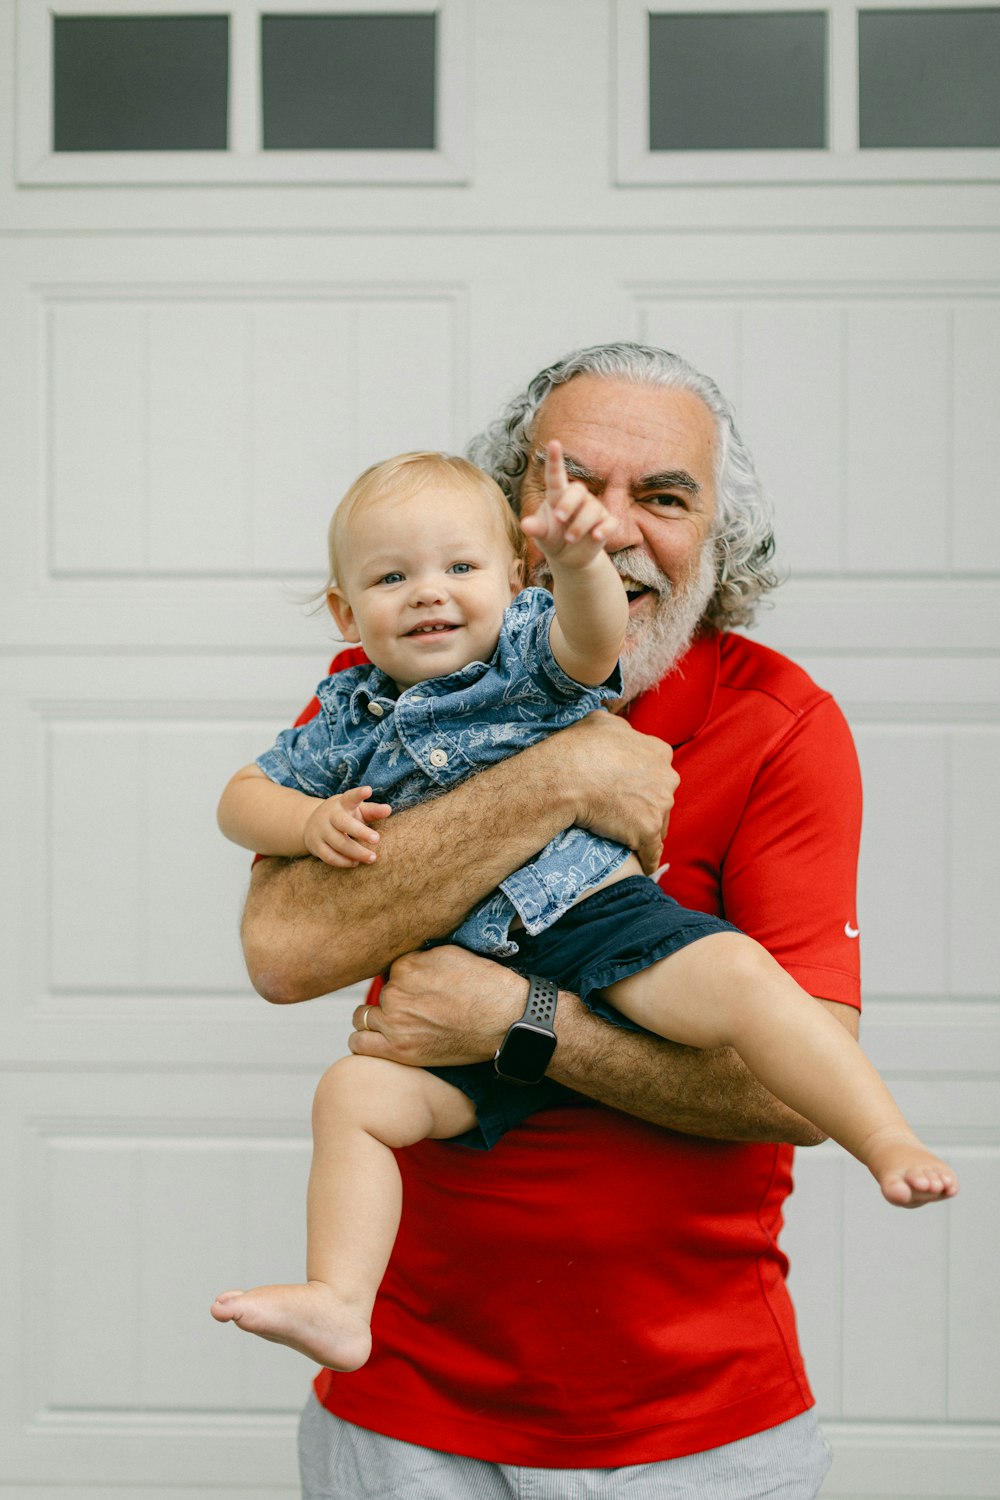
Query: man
point(598, 1306)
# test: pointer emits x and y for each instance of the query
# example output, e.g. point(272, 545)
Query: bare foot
point(309, 1318)
point(908, 1174)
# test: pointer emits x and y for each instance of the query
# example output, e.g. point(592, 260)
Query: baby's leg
point(364, 1108)
point(725, 990)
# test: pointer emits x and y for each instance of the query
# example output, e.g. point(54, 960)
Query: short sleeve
point(789, 877)
point(352, 657)
point(530, 628)
point(300, 758)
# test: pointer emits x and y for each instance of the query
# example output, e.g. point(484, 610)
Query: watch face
point(525, 1054)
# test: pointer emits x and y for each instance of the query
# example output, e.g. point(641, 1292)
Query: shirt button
point(416, 697)
point(376, 710)
point(438, 758)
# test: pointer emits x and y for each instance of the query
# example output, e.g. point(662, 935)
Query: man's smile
point(635, 590)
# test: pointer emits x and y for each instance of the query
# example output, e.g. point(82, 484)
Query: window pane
point(754, 81)
point(140, 83)
point(349, 83)
point(929, 77)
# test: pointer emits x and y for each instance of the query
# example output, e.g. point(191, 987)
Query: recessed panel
point(140, 83)
point(898, 436)
point(903, 880)
point(929, 78)
point(144, 1222)
point(755, 81)
point(349, 82)
point(160, 908)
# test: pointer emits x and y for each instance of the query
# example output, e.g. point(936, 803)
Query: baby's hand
point(337, 830)
point(571, 525)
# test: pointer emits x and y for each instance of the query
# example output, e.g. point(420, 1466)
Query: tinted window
point(140, 83)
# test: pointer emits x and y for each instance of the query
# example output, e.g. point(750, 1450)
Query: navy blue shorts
point(617, 931)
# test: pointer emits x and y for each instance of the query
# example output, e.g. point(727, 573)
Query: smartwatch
point(527, 1049)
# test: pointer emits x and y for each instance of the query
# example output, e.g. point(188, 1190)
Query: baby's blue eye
point(460, 568)
point(391, 578)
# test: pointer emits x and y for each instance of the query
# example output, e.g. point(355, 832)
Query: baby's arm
point(570, 527)
point(271, 819)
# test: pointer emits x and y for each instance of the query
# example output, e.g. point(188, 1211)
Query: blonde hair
point(403, 477)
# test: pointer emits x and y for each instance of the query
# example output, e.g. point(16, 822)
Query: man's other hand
point(625, 783)
point(439, 1007)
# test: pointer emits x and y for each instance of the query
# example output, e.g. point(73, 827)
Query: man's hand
point(440, 1007)
point(625, 783)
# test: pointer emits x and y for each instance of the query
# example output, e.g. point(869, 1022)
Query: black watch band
point(527, 1049)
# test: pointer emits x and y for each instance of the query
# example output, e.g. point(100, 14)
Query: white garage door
point(221, 300)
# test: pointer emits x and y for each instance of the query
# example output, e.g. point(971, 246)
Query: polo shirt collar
point(678, 707)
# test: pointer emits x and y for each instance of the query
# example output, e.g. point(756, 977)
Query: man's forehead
point(605, 422)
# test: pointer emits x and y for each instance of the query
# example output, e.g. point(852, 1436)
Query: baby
point(468, 667)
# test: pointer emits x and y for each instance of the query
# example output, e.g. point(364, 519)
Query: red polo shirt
point(595, 1291)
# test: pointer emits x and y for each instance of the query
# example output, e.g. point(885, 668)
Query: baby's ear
point(518, 575)
point(339, 607)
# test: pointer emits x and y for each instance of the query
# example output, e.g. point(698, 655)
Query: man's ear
point(343, 614)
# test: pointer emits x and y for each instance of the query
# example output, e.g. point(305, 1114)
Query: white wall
point(188, 375)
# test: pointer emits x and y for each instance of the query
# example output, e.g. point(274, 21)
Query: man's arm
point(449, 1006)
point(309, 928)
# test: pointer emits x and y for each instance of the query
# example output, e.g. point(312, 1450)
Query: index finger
point(556, 478)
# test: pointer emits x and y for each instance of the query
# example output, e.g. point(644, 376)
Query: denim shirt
point(419, 743)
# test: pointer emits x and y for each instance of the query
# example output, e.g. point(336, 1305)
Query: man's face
point(649, 454)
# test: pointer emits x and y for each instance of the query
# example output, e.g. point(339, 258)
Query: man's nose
point(625, 530)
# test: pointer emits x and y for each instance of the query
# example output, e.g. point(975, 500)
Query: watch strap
point(525, 1052)
point(540, 1009)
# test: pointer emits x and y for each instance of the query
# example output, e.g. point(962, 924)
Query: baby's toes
point(898, 1190)
point(945, 1183)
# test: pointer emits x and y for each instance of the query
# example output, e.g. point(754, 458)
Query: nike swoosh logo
point(850, 931)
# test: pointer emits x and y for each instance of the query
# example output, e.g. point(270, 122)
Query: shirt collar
point(375, 686)
point(678, 707)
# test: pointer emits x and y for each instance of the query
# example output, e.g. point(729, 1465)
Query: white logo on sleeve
point(850, 931)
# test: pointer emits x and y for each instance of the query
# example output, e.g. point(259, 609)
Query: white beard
point(655, 642)
point(658, 638)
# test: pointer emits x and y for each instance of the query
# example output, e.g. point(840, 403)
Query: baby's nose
point(429, 591)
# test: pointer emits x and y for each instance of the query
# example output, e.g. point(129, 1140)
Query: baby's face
point(428, 579)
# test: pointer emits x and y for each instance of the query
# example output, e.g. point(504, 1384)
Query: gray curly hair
point(743, 538)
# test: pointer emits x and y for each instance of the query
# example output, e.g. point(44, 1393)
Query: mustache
point(631, 564)
point(635, 565)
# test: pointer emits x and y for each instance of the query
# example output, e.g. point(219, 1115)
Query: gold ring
point(364, 1018)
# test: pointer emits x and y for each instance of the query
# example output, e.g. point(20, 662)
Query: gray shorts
point(339, 1461)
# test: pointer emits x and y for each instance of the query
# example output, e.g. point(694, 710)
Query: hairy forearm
point(680, 1088)
point(309, 928)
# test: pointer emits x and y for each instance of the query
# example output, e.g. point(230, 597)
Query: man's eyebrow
point(574, 468)
point(670, 479)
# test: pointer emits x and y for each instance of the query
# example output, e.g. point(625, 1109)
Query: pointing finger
point(556, 482)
